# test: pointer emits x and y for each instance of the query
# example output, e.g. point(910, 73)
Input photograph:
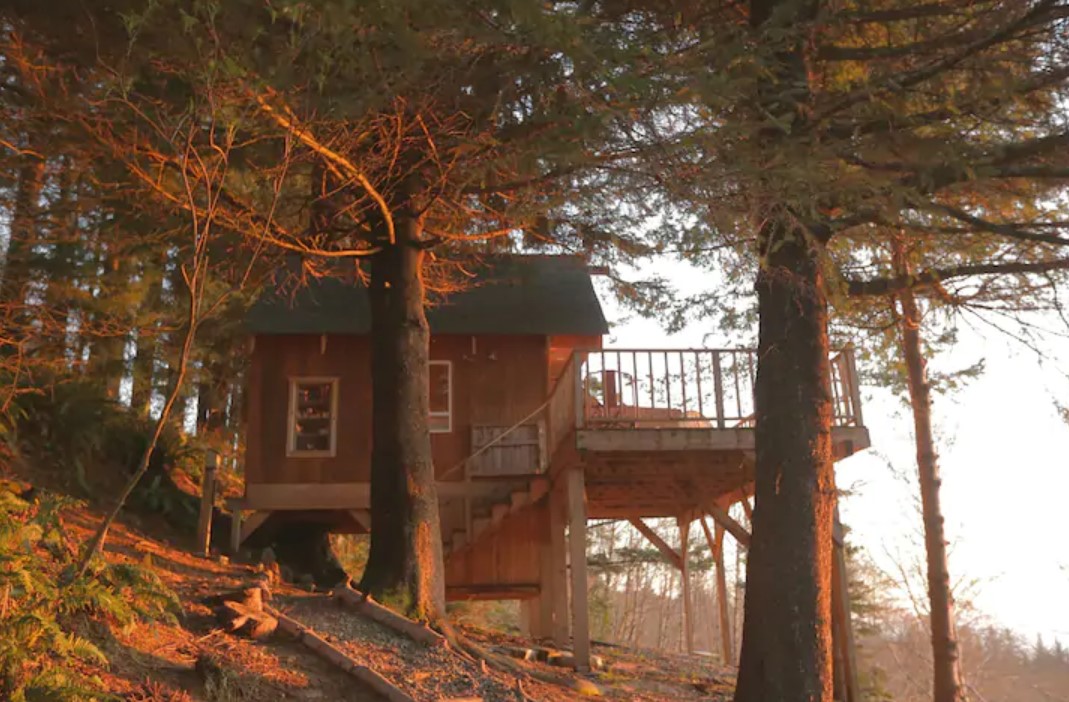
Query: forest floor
point(166, 662)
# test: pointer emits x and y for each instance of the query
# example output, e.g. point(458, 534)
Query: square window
point(313, 410)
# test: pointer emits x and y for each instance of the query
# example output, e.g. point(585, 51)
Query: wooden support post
point(559, 565)
point(725, 520)
point(544, 601)
point(716, 546)
point(577, 553)
point(684, 574)
point(842, 628)
point(235, 530)
point(207, 503)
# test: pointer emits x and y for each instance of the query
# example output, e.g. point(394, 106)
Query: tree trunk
point(946, 661)
point(106, 365)
point(143, 371)
point(404, 565)
point(786, 635)
point(786, 642)
point(15, 275)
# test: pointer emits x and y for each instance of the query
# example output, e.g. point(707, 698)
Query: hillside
point(193, 658)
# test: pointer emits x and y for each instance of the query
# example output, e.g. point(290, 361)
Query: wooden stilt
point(235, 530)
point(716, 545)
point(559, 565)
point(714, 625)
point(684, 572)
point(842, 627)
point(577, 553)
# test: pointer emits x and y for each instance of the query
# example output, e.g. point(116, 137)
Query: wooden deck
point(668, 433)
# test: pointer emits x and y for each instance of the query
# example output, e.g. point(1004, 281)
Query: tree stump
point(242, 612)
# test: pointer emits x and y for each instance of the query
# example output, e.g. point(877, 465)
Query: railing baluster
point(683, 381)
point(855, 389)
point(667, 387)
point(653, 385)
point(698, 381)
point(604, 388)
point(738, 390)
point(634, 382)
point(718, 390)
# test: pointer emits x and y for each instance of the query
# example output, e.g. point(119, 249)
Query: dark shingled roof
point(513, 294)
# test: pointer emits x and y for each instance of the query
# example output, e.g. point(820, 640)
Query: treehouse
point(535, 428)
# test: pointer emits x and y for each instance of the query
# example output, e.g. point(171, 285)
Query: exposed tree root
point(465, 647)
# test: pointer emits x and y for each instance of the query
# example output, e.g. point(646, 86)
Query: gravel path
point(427, 674)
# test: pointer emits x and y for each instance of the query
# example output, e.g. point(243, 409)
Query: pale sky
point(1005, 460)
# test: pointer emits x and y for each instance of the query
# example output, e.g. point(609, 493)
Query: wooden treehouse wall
point(497, 381)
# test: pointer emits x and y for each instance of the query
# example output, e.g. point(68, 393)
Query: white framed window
point(441, 391)
point(313, 417)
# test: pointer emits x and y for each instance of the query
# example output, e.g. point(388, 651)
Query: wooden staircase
point(488, 514)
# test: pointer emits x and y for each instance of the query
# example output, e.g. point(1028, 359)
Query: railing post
point(855, 388)
point(580, 400)
point(207, 502)
point(718, 390)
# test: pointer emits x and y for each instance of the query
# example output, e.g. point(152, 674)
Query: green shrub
point(39, 647)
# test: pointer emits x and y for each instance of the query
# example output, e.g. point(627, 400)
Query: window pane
point(439, 381)
point(313, 409)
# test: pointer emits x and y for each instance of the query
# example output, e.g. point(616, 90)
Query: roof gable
point(512, 294)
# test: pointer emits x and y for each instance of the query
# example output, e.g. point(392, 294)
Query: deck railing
point(687, 388)
point(563, 407)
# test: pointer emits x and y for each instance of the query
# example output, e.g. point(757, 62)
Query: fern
point(37, 646)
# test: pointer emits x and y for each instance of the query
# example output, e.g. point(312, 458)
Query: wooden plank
point(667, 551)
point(693, 439)
point(344, 496)
point(721, 517)
point(577, 553)
point(684, 571)
point(492, 591)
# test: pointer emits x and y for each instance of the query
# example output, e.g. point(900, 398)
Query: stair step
point(478, 526)
point(520, 498)
point(498, 512)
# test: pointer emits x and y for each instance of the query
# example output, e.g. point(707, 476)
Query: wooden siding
point(275, 359)
point(497, 380)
